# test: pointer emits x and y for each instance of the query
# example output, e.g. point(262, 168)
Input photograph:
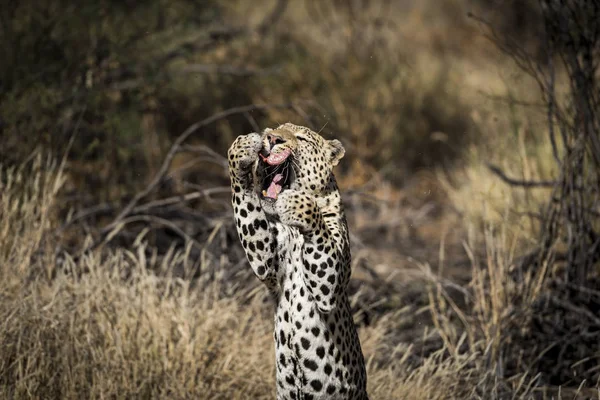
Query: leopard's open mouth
point(276, 172)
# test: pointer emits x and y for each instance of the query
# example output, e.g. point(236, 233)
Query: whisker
point(275, 170)
point(293, 156)
point(294, 162)
point(320, 130)
point(287, 173)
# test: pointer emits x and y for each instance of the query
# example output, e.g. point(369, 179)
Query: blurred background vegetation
point(401, 82)
point(424, 103)
point(413, 89)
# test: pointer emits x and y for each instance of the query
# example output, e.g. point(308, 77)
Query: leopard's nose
point(274, 140)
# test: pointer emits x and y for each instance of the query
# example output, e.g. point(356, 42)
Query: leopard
point(291, 223)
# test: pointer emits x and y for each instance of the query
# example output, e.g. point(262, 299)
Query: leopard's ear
point(336, 151)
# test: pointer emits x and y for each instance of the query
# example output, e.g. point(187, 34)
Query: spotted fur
point(298, 246)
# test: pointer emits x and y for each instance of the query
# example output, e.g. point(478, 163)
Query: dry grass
point(521, 150)
point(104, 326)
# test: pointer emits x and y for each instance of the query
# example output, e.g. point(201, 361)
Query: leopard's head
point(294, 157)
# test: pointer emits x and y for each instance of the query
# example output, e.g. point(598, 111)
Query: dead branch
point(575, 309)
point(131, 208)
point(181, 199)
point(85, 213)
point(146, 207)
point(271, 19)
point(175, 148)
point(229, 70)
point(150, 219)
point(252, 122)
point(220, 159)
point(227, 34)
point(515, 182)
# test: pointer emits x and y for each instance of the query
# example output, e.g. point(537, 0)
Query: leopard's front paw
point(244, 151)
point(297, 209)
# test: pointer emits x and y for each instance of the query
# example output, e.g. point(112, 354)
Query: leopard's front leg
point(253, 229)
point(326, 270)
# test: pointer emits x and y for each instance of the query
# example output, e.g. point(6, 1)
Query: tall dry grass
point(108, 326)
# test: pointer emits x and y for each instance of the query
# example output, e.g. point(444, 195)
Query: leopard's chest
point(305, 352)
point(293, 297)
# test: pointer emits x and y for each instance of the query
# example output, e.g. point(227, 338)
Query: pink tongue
point(275, 159)
point(274, 189)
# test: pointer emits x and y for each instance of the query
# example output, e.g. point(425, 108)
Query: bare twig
point(180, 199)
point(227, 34)
point(176, 147)
point(85, 213)
point(576, 309)
point(305, 116)
point(150, 219)
point(116, 225)
point(515, 182)
point(229, 70)
point(271, 19)
point(220, 159)
point(252, 122)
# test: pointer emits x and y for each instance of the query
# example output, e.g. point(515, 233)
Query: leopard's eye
point(301, 138)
